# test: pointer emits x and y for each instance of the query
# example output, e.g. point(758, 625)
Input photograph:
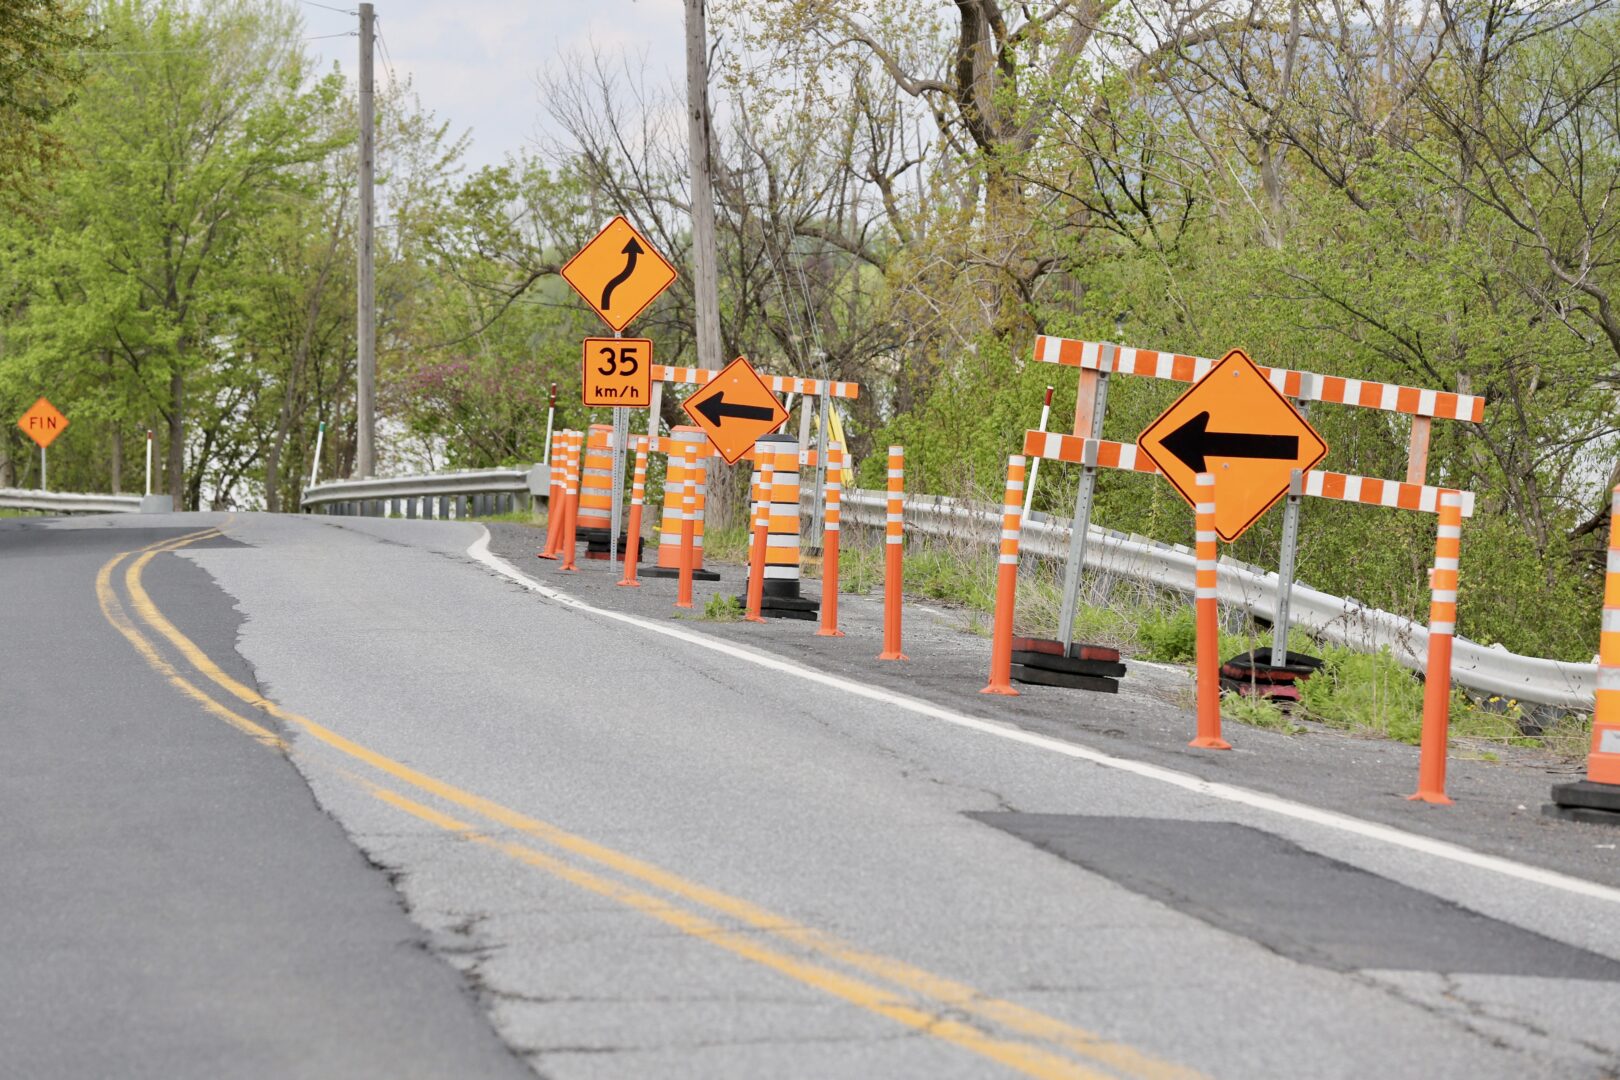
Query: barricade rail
point(67, 502)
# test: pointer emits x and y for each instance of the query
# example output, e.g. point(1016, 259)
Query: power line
point(388, 57)
point(329, 7)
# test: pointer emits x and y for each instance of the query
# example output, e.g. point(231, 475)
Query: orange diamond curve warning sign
point(618, 273)
point(735, 409)
point(617, 372)
point(1233, 424)
point(43, 423)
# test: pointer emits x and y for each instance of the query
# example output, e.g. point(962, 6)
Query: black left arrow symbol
point(1193, 441)
point(715, 410)
point(631, 250)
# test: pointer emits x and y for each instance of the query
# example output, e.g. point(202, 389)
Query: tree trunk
point(177, 443)
point(117, 459)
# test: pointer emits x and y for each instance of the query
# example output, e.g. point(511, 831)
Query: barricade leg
point(894, 566)
point(1012, 519)
point(1437, 677)
point(638, 496)
point(1208, 620)
point(829, 541)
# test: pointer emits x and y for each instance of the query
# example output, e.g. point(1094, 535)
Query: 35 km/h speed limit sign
point(617, 372)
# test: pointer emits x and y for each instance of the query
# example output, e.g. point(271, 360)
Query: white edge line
point(1332, 819)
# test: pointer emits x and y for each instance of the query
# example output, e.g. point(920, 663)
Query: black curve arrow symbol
point(1193, 441)
point(715, 410)
point(632, 249)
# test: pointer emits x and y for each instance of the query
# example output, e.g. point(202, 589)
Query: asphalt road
point(641, 846)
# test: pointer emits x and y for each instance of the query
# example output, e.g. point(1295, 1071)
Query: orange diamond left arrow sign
point(618, 273)
point(1233, 424)
point(43, 423)
point(735, 409)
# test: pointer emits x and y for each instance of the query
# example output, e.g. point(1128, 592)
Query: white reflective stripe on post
point(1440, 627)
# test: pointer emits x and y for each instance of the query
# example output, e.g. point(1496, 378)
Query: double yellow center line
point(1010, 1034)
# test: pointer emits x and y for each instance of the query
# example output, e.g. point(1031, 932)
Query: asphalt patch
point(1295, 902)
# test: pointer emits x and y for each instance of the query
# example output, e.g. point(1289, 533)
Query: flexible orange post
point(553, 500)
point(1437, 676)
point(638, 495)
point(1012, 524)
point(1603, 763)
point(762, 532)
point(829, 542)
point(894, 548)
point(694, 469)
point(570, 544)
point(1208, 621)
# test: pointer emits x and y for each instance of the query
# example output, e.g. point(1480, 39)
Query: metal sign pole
point(816, 514)
point(1077, 544)
point(551, 414)
point(44, 483)
point(621, 436)
point(1082, 517)
point(1285, 567)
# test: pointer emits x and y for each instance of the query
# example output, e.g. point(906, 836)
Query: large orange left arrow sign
point(735, 409)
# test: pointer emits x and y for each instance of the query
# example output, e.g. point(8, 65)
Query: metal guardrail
point(1484, 668)
point(67, 502)
point(431, 495)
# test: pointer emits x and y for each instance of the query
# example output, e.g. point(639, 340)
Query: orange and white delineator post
point(1603, 763)
point(1437, 676)
point(638, 496)
point(693, 466)
point(554, 499)
point(1012, 525)
point(829, 542)
point(894, 552)
point(1206, 554)
point(574, 450)
point(760, 538)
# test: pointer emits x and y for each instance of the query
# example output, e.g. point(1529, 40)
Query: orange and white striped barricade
point(830, 540)
point(554, 499)
point(894, 540)
point(1208, 620)
point(1437, 676)
point(758, 540)
point(1597, 798)
point(668, 563)
point(692, 467)
point(782, 599)
point(1001, 635)
point(638, 496)
point(575, 449)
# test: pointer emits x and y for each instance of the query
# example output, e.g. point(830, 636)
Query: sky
point(476, 63)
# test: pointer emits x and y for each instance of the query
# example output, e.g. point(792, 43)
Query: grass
point(1257, 712)
point(722, 608)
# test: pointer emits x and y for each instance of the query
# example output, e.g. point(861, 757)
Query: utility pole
point(365, 458)
point(705, 275)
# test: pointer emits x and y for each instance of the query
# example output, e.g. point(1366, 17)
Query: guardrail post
point(1208, 621)
point(1437, 678)
point(1007, 581)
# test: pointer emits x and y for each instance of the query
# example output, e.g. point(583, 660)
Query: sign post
point(618, 274)
point(43, 422)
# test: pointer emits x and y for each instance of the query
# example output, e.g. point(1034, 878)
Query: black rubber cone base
point(1077, 651)
point(1042, 677)
point(768, 604)
point(1048, 662)
point(1275, 691)
point(1594, 804)
point(671, 572)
